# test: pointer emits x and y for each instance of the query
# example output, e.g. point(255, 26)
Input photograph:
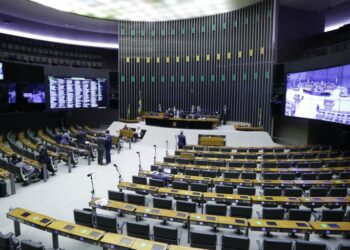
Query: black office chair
point(107, 223)
point(293, 192)
point(252, 157)
point(138, 230)
point(268, 164)
point(272, 191)
point(343, 246)
point(209, 173)
point(192, 172)
point(116, 196)
point(180, 185)
point(283, 165)
point(163, 203)
point(271, 176)
point(199, 187)
point(315, 164)
point(336, 192)
point(273, 213)
point(186, 206)
point(231, 174)
point(299, 214)
point(308, 176)
point(309, 245)
point(31, 245)
point(223, 189)
point(287, 176)
point(7, 241)
point(235, 164)
point(246, 190)
point(139, 180)
point(241, 211)
point(156, 183)
point(234, 242)
point(201, 162)
point(248, 175)
point(154, 168)
point(203, 240)
point(325, 176)
point(136, 199)
point(332, 215)
point(166, 235)
point(84, 218)
point(273, 244)
point(344, 175)
point(216, 209)
point(249, 165)
point(318, 192)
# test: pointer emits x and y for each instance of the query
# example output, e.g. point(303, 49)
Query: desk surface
point(148, 245)
point(174, 247)
point(30, 217)
point(117, 240)
point(162, 213)
point(330, 226)
point(137, 186)
point(280, 224)
point(222, 220)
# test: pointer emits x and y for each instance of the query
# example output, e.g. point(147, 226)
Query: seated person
point(161, 176)
point(65, 138)
point(27, 169)
point(58, 137)
point(125, 127)
point(137, 134)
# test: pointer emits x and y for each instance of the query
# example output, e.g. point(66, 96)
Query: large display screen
point(77, 92)
point(322, 94)
point(1, 72)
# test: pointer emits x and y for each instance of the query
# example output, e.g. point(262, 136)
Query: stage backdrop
point(212, 61)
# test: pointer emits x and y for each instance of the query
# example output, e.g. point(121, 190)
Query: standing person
point(44, 158)
point(65, 138)
point(100, 149)
point(181, 140)
point(58, 137)
point(108, 147)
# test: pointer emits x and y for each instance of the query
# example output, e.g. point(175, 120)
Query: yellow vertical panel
point(207, 57)
point(127, 59)
point(187, 58)
point(262, 51)
point(177, 59)
point(229, 55)
point(148, 60)
point(250, 52)
point(218, 56)
point(158, 59)
point(167, 59)
point(197, 58)
point(240, 54)
point(137, 59)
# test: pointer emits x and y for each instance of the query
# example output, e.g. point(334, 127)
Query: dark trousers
point(100, 154)
point(108, 156)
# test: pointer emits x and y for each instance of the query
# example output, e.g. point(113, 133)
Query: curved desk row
point(82, 233)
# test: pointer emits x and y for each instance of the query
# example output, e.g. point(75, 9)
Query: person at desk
point(81, 137)
point(58, 137)
point(65, 138)
point(28, 170)
point(161, 176)
point(108, 146)
point(181, 140)
point(100, 141)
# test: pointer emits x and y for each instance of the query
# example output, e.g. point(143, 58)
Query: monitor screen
point(12, 94)
point(77, 92)
point(34, 93)
point(322, 94)
point(1, 71)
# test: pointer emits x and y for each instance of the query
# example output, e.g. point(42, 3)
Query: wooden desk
point(208, 123)
point(128, 133)
point(180, 193)
point(111, 205)
point(218, 221)
point(116, 241)
point(343, 201)
point(137, 187)
point(174, 247)
point(162, 214)
point(281, 226)
point(148, 245)
point(227, 197)
point(20, 215)
point(211, 140)
point(330, 227)
point(279, 200)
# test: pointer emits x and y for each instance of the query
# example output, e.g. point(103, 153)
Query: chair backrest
point(325, 176)
point(223, 189)
point(338, 192)
point(209, 173)
point(180, 185)
point(293, 192)
point(139, 180)
point(287, 176)
point(344, 175)
point(31, 245)
point(84, 218)
point(299, 214)
point(5, 241)
point(241, 211)
point(186, 206)
point(165, 234)
point(163, 203)
point(235, 242)
point(201, 162)
point(248, 175)
point(271, 176)
point(343, 246)
point(200, 187)
point(332, 215)
point(308, 176)
point(156, 183)
point(116, 196)
point(249, 165)
point(272, 191)
point(318, 192)
point(309, 245)
point(216, 209)
point(231, 174)
point(203, 240)
point(138, 230)
point(273, 244)
point(106, 223)
point(273, 213)
point(246, 190)
point(193, 172)
point(136, 199)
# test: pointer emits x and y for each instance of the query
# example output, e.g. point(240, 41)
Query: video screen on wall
point(322, 94)
point(1, 71)
point(77, 92)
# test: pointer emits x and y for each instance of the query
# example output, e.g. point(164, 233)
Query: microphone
point(138, 153)
point(89, 174)
point(115, 165)
point(154, 145)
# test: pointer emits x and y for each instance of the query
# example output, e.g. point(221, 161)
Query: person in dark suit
point(58, 137)
point(44, 158)
point(81, 137)
point(108, 147)
point(100, 141)
point(181, 140)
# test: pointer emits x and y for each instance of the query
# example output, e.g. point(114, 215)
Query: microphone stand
point(166, 152)
point(93, 188)
point(119, 174)
point(140, 167)
point(155, 153)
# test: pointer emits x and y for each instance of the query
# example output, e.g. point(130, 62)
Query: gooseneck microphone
point(89, 174)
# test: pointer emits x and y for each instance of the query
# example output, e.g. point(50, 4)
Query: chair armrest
point(259, 215)
point(316, 215)
point(179, 237)
point(259, 244)
point(306, 194)
point(151, 234)
point(121, 227)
